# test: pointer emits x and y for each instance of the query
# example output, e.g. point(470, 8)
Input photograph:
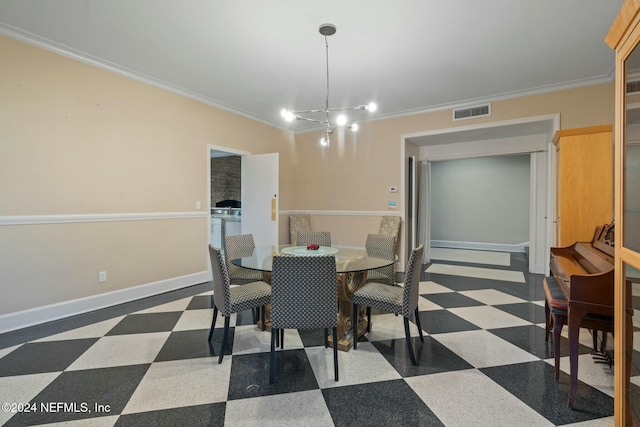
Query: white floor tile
point(306, 408)
point(120, 350)
point(492, 297)
point(433, 288)
point(5, 351)
point(178, 305)
point(21, 389)
point(427, 305)
point(364, 365)
point(181, 383)
point(468, 397)
point(483, 349)
point(467, 255)
point(488, 317)
point(95, 330)
point(600, 422)
point(597, 375)
point(477, 272)
point(195, 319)
point(389, 326)
point(251, 339)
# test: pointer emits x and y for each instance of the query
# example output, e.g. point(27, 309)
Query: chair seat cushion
point(554, 295)
point(380, 296)
point(245, 297)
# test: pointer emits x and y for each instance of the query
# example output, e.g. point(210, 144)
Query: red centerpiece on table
point(313, 247)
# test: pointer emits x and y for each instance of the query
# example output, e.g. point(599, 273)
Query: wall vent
point(472, 112)
point(633, 86)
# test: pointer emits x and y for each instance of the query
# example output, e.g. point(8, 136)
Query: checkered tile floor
point(484, 362)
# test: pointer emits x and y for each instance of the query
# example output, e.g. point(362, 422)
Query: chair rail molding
point(107, 217)
point(341, 213)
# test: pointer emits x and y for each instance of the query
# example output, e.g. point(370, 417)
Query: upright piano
point(584, 272)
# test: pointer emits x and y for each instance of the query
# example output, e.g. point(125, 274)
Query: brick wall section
point(225, 179)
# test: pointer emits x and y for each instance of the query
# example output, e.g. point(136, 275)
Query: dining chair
point(237, 247)
point(304, 296)
point(229, 300)
point(384, 247)
point(306, 238)
point(298, 223)
point(390, 226)
point(398, 300)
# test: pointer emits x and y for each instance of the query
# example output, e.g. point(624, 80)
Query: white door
point(259, 196)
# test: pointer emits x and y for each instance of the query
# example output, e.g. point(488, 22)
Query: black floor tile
point(201, 302)
point(38, 357)
point(110, 387)
point(452, 299)
point(192, 416)
point(442, 321)
point(145, 323)
point(526, 310)
point(431, 356)
point(250, 374)
point(193, 344)
point(312, 337)
point(244, 318)
point(531, 338)
point(387, 403)
point(533, 384)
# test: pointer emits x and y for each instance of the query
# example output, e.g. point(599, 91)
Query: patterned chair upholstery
point(390, 226)
point(306, 238)
point(382, 247)
point(393, 299)
point(230, 300)
point(298, 223)
point(304, 296)
point(238, 247)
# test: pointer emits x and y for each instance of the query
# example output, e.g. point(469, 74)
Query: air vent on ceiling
point(472, 112)
point(633, 86)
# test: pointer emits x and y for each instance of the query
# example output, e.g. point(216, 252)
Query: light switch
point(198, 204)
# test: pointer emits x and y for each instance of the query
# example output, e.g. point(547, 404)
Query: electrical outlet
point(198, 204)
point(102, 276)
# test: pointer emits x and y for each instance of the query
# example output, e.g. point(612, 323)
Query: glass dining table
point(352, 264)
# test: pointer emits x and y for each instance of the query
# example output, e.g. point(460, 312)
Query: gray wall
point(483, 200)
point(225, 178)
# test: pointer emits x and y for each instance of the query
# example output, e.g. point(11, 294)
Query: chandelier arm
point(310, 119)
point(358, 107)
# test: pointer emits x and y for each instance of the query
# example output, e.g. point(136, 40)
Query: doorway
point(531, 136)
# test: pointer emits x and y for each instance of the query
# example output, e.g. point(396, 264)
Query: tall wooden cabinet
point(624, 37)
point(584, 182)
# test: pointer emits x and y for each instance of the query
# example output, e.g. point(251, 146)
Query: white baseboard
point(498, 247)
point(48, 313)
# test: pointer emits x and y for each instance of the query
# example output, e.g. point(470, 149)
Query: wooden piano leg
point(574, 321)
point(558, 323)
point(547, 318)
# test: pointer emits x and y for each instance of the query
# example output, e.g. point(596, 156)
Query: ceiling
point(255, 57)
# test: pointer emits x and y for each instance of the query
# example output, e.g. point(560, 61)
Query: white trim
point(342, 213)
point(499, 247)
point(57, 48)
point(48, 313)
point(77, 218)
point(51, 46)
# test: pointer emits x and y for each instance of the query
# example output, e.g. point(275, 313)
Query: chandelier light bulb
point(341, 120)
point(354, 127)
point(371, 107)
point(324, 142)
point(287, 114)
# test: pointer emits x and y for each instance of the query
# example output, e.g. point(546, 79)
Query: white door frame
point(542, 181)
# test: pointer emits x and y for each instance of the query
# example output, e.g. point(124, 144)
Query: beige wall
point(79, 140)
point(75, 139)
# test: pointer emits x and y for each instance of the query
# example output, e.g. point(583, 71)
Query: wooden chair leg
point(408, 336)
point(354, 326)
point(418, 325)
point(213, 322)
point(272, 355)
point(335, 351)
point(548, 321)
point(224, 338)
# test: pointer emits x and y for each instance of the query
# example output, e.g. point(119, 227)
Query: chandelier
point(341, 120)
